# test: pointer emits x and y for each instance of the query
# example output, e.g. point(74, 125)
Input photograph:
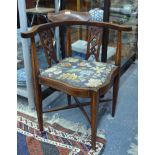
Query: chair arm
point(108, 25)
point(119, 27)
point(30, 33)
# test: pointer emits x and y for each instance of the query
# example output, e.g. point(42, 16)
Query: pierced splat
point(47, 40)
point(94, 43)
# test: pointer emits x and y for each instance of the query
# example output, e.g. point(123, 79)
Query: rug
point(55, 140)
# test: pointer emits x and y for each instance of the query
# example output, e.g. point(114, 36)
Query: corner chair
point(74, 76)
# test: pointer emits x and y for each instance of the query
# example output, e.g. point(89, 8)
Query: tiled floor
point(121, 131)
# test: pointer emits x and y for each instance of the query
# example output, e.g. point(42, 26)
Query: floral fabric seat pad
point(80, 73)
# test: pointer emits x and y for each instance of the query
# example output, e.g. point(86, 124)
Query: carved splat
point(94, 43)
point(47, 40)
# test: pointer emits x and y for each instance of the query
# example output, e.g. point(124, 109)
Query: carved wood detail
point(47, 41)
point(94, 42)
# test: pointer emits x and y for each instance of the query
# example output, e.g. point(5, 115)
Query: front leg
point(38, 105)
point(94, 109)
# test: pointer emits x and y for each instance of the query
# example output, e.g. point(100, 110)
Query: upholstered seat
point(80, 73)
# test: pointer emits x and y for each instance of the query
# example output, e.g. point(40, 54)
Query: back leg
point(115, 94)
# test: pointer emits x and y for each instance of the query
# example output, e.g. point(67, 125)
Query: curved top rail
point(43, 27)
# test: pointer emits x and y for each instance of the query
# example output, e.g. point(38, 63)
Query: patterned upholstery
point(80, 73)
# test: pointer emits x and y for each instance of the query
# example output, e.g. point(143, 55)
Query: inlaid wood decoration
point(94, 43)
point(47, 41)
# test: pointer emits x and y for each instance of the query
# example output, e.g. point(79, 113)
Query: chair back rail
point(94, 42)
point(68, 50)
point(41, 27)
point(47, 40)
point(94, 39)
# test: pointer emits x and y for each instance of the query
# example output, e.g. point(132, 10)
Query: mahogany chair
point(74, 76)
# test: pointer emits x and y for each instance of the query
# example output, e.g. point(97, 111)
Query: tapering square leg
point(115, 94)
point(94, 110)
point(38, 104)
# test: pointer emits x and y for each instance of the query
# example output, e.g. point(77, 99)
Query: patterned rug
point(56, 140)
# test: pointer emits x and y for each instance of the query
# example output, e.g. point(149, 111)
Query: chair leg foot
point(40, 118)
point(94, 109)
point(115, 94)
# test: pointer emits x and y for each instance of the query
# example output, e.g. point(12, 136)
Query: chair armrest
point(30, 33)
point(119, 27)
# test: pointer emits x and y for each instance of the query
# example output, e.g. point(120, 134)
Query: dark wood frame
point(105, 35)
point(92, 93)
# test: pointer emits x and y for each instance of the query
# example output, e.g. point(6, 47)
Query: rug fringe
point(76, 127)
